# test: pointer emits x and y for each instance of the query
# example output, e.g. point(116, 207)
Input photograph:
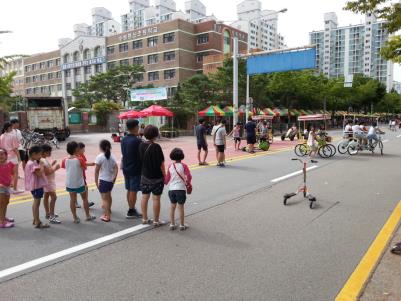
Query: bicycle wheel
point(342, 147)
point(301, 150)
point(381, 146)
point(353, 148)
point(325, 151)
point(333, 149)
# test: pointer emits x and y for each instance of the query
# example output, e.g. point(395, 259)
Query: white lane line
point(399, 136)
point(385, 141)
point(36, 262)
point(292, 174)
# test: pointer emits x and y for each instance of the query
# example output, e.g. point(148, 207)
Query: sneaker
point(90, 218)
point(91, 204)
point(222, 165)
point(54, 220)
point(173, 227)
point(77, 205)
point(77, 220)
point(183, 227)
point(9, 219)
point(133, 213)
point(6, 225)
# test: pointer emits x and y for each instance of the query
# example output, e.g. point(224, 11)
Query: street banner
point(152, 94)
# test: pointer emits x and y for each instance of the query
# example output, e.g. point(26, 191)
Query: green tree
point(391, 103)
point(388, 10)
point(103, 108)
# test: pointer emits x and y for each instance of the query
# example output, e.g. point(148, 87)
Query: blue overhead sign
point(282, 61)
point(89, 62)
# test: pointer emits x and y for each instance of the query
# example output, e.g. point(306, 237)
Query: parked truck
point(48, 114)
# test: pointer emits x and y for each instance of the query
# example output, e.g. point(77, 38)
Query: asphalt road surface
point(242, 244)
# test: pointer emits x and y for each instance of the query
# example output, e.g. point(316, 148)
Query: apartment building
point(43, 76)
point(171, 51)
point(354, 49)
point(261, 26)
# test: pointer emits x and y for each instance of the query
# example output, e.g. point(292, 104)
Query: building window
point(50, 64)
point(203, 38)
point(77, 84)
point(50, 76)
point(67, 58)
point(137, 44)
point(110, 50)
point(123, 47)
point(88, 69)
point(33, 67)
point(169, 56)
point(153, 59)
point(138, 77)
point(67, 73)
point(137, 60)
point(42, 77)
point(77, 71)
point(111, 66)
point(152, 76)
point(169, 74)
point(58, 62)
point(169, 37)
point(27, 80)
point(42, 65)
point(75, 56)
point(200, 56)
point(152, 42)
point(28, 68)
point(59, 87)
point(124, 62)
point(98, 51)
point(99, 68)
point(58, 74)
point(68, 86)
point(87, 54)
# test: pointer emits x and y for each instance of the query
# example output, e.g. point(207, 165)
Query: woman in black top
point(153, 173)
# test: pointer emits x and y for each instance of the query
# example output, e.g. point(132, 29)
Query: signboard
point(349, 78)
point(282, 61)
point(138, 33)
point(148, 94)
point(95, 61)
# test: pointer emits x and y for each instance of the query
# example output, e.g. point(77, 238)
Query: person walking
point(250, 128)
point(220, 142)
point(153, 174)
point(179, 179)
point(9, 141)
point(216, 126)
point(201, 140)
point(131, 166)
point(236, 134)
point(105, 176)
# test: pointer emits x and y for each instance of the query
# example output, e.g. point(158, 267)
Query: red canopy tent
point(155, 110)
point(131, 114)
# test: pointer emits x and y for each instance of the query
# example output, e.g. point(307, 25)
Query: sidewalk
point(385, 283)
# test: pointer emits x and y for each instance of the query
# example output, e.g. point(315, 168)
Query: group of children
point(40, 180)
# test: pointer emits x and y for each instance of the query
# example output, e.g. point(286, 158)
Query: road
point(243, 244)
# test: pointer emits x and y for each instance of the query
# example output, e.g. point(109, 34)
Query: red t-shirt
point(6, 173)
point(83, 161)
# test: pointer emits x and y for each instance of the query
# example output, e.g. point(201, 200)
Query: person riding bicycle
point(359, 132)
point(348, 130)
point(372, 134)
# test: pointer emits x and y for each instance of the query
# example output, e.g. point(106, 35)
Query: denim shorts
point(133, 183)
point(177, 196)
point(38, 193)
point(105, 186)
point(5, 190)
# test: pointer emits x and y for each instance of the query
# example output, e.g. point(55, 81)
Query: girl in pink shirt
point(10, 143)
point(7, 171)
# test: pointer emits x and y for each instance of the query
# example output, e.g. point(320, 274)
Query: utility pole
point(235, 81)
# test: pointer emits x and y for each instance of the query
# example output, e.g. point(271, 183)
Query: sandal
point(158, 224)
point(6, 225)
point(147, 221)
point(90, 218)
point(105, 218)
point(77, 220)
point(396, 249)
point(42, 226)
point(9, 219)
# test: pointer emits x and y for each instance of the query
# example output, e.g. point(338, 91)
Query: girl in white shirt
point(312, 142)
point(179, 180)
point(105, 176)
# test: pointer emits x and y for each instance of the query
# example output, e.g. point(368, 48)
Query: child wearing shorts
point(85, 164)
point(35, 181)
point(7, 172)
point(105, 176)
point(50, 189)
point(75, 183)
point(178, 176)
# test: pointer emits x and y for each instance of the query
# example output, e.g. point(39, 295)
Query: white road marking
point(385, 141)
point(292, 174)
point(36, 262)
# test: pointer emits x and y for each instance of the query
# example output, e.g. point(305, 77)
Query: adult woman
point(153, 173)
point(9, 141)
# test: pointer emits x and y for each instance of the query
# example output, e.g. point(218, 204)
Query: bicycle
point(303, 188)
point(342, 146)
point(354, 147)
point(325, 150)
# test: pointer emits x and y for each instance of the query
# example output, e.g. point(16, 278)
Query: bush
point(103, 108)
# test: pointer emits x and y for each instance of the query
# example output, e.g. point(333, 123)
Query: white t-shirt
point(220, 134)
point(176, 183)
point(74, 173)
point(106, 167)
point(348, 128)
point(356, 129)
point(18, 133)
point(372, 130)
point(214, 129)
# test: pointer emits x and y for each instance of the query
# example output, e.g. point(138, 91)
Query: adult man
point(216, 126)
point(201, 140)
point(219, 139)
point(131, 166)
point(372, 133)
point(250, 128)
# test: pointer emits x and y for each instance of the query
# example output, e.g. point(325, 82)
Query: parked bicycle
point(325, 149)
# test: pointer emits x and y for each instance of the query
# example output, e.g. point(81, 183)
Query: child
point(75, 181)
point(85, 164)
point(236, 133)
point(105, 176)
point(7, 172)
point(178, 176)
point(35, 181)
point(312, 142)
point(50, 189)
point(264, 131)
